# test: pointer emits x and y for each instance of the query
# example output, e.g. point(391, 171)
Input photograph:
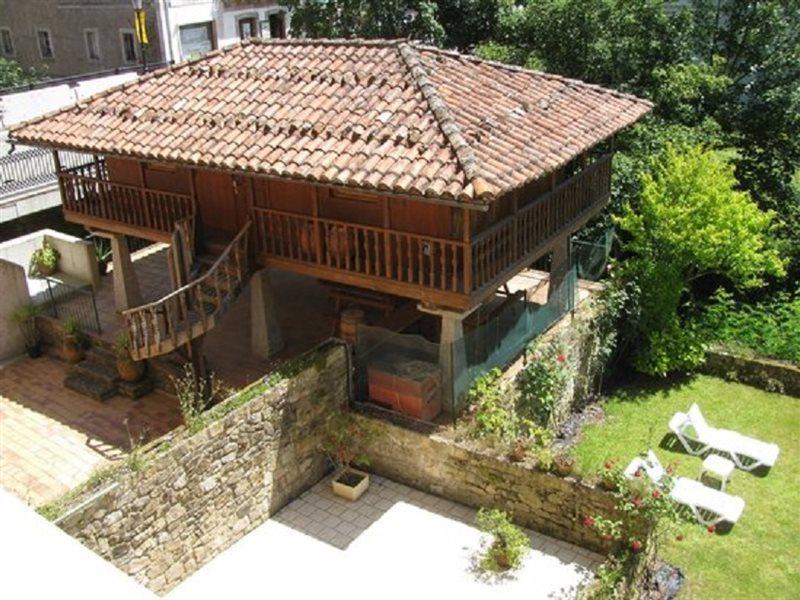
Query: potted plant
point(102, 252)
point(564, 463)
point(128, 369)
point(344, 442)
point(44, 261)
point(519, 450)
point(72, 342)
point(25, 318)
point(507, 545)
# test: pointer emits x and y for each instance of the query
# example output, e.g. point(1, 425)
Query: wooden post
point(315, 215)
point(59, 171)
point(387, 247)
point(466, 237)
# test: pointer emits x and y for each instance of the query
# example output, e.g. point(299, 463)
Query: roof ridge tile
point(441, 111)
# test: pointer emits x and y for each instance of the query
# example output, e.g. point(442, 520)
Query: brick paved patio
point(51, 438)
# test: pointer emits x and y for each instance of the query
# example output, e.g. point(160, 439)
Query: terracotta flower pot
point(72, 350)
point(45, 270)
point(130, 370)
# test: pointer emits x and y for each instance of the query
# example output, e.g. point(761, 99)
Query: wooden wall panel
point(216, 204)
point(123, 170)
point(291, 196)
point(426, 219)
point(167, 178)
point(352, 207)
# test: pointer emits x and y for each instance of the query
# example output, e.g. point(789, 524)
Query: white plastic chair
point(746, 453)
point(709, 506)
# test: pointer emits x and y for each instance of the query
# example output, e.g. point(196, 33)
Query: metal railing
point(65, 301)
point(33, 168)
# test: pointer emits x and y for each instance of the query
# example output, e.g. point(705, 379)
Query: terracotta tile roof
point(386, 115)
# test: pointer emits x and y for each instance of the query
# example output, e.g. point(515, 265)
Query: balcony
point(440, 271)
point(92, 200)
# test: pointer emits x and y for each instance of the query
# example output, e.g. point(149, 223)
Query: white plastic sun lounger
point(708, 505)
point(747, 453)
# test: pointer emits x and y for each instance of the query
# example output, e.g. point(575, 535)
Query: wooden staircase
point(196, 306)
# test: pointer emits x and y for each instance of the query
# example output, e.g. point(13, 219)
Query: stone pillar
point(452, 355)
point(560, 264)
point(126, 287)
point(266, 336)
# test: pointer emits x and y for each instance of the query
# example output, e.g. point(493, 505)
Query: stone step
point(88, 385)
point(98, 369)
point(102, 353)
point(137, 389)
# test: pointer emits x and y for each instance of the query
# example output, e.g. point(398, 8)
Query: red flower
point(588, 521)
point(679, 537)
point(656, 494)
point(637, 502)
point(561, 358)
point(636, 546)
point(609, 464)
point(711, 528)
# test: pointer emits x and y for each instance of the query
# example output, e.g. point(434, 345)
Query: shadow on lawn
point(636, 387)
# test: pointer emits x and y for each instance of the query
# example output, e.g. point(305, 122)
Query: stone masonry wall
point(541, 501)
point(770, 375)
point(206, 491)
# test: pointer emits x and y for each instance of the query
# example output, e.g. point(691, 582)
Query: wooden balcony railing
point(361, 250)
point(499, 250)
point(91, 199)
point(429, 267)
point(192, 310)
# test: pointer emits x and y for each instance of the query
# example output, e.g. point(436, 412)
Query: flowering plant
point(544, 380)
point(344, 441)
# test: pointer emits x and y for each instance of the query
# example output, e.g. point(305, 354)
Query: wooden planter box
point(412, 388)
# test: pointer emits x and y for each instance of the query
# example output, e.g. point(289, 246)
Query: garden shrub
point(692, 222)
point(770, 329)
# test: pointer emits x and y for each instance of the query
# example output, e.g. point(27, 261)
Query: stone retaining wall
point(541, 501)
point(770, 375)
point(204, 492)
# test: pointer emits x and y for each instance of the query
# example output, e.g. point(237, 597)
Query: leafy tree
point(691, 222)
point(12, 74)
point(367, 18)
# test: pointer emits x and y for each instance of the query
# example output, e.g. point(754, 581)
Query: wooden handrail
point(374, 228)
point(190, 311)
point(567, 183)
point(406, 258)
point(87, 192)
point(499, 250)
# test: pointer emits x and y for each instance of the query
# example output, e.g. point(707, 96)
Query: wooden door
point(221, 209)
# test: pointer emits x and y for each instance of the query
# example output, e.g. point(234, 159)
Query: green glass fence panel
point(591, 257)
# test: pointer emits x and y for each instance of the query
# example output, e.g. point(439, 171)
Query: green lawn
point(760, 556)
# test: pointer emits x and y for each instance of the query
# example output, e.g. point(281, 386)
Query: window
point(248, 28)
point(92, 44)
point(6, 45)
point(45, 43)
point(277, 25)
point(196, 39)
point(128, 46)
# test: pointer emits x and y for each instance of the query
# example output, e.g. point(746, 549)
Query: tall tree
point(415, 19)
point(690, 223)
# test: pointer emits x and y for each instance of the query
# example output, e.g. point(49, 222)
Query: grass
point(758, 557)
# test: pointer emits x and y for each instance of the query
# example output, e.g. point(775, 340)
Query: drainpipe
point(166, 31)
